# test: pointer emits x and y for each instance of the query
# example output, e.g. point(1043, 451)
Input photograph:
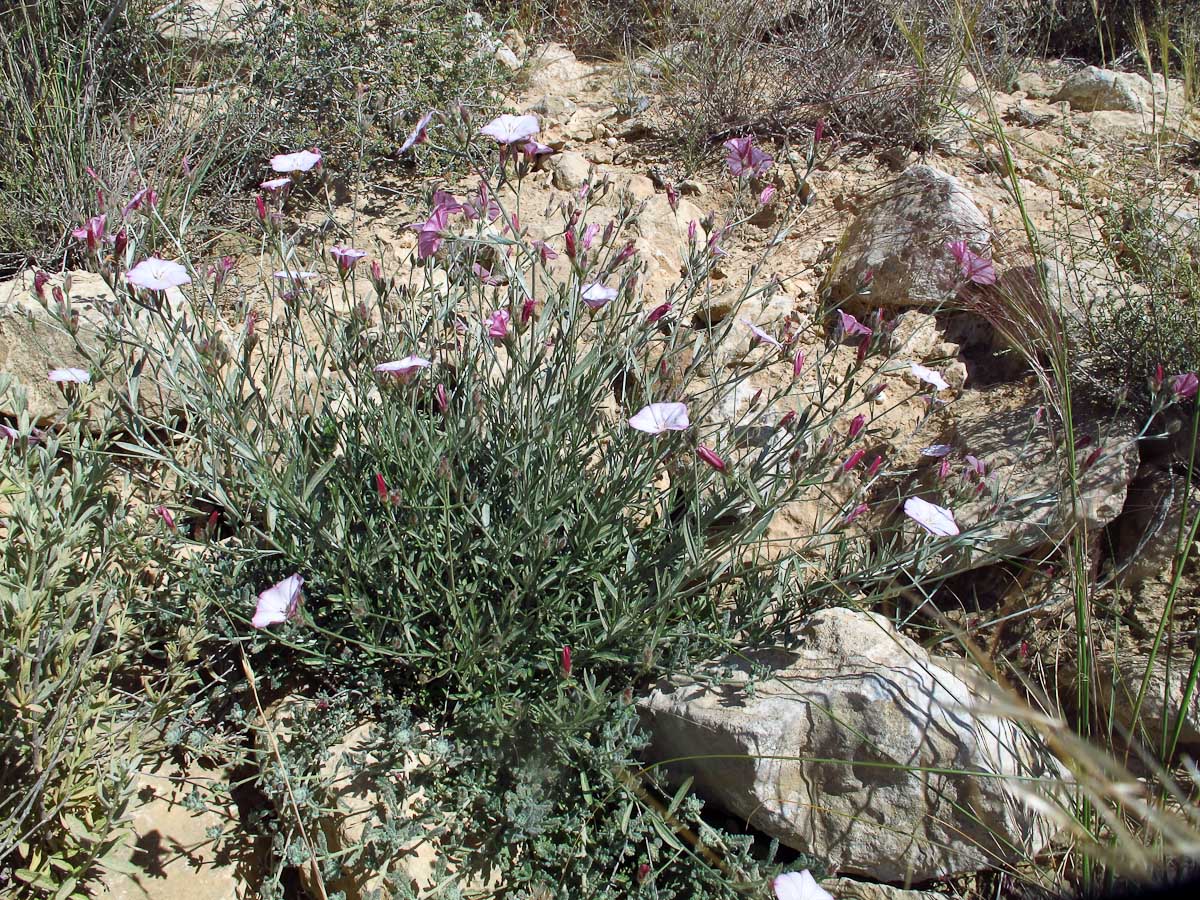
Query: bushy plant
point(512, 493)
point(75, 723)
point(875, 71)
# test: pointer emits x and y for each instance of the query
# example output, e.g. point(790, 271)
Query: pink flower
point(545, 251)
point(672, 198)
point(300, 161)
point(447, 201)
point(745, 159)
point(853, 460)
point(484, 206)
point(381, 487)
point(929, 376)
point(711, 458)
point(798, 363)
point(657, 313)
point(9, 433)
point(1184, 385)
point(485, 275)
point(508, 129)
point(659, 417)
point(69, 376)
point(799, 886)
point(276, 184)
point(566, 660)
point(165, 514)
point(856, 426)
point(876, 465)
point(589, 235)
point(1159, 376)
point(944, 468)
point(40, 280)
point(156, 274)
point(533, 148)
point(851, 325)
point(760, 335)
point(767, 195)
point(91, 231)
point(856, 512)
point(417, 135)
point(976, 465)
point(597, 296)
point(528, 306)
point(691, 231)
point(498, 324)
point(429, 232)
point(346, 257)
point(441, 398)
point(278, 603)
point(973, 266)
point(260, 207)
point(937, 520)
point(403, 370)
point(146, 195)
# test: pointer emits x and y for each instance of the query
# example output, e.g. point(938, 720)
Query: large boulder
point(901, 240)
point(1094, 89)
point(857, 747)
point(1026, 499)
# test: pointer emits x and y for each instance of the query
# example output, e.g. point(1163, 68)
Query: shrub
point(878, 72)
point(459, 524)
point(74, 720)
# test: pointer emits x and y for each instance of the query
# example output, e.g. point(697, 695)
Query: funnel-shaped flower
point(69, 376)
point(745, 159)
point(508, 129)
point(937, 520)
point(278, 603)
point(156, 274)
point(760, 335)
point(929, 376)
point(403, 369)
point(300, 161)
point(974, 267)
point(346, 257)
point(597, 296)
point(799, 886)
point(659, 417)
point(417, 135)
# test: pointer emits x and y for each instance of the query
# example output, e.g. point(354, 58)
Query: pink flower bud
point(643, 872)
point(1184, 385)
point(944, 468)
point(853, 460)
point(442, 399)
point(692, 230)
point(767, 195)
point(166, 516)
point(787, 420)
point(798, 363)
point(40, 280)
point(528, 307)
point(657, 313)
point(566, 660)
point(856, 426)
point(672, 198)
point(626, 253)
point(381, 487)
point(876, 465)
point(856, 512)
point(260, 207)
point(711, 458)
point(569, 240)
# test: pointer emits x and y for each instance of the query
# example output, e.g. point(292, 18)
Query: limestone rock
point(821, 753)
point(1125, 668)
point(1034, 86)
point(1094, 89)
point(849, 889)
point(553, 69)
point(205, 22)
point(173, 851)
point(1144, 536)
point(1026, 501)
point(901, 240)
point(569, 170)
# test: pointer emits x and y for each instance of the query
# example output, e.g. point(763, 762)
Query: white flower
point(404, 369)
point(509, 129)
point(929, 376)
point(937, 520)
point(278, 603)
point(70, 375)
point(300, 161)
point(799, 886)
point(597, 295)
point(761, 335)
point(659, 417)
point(156, 274)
